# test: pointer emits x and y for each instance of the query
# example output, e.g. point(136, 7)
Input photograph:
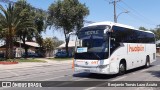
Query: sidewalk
point(34, 64)
point(158, 55)
point(54, 61)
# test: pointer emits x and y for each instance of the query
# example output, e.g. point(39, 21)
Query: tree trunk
point(9, 45)
point(25, 48)
point(11, 48)
point(67, 41)
point(26, 51)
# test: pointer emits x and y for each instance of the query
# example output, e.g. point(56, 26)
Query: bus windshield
point(92, 43)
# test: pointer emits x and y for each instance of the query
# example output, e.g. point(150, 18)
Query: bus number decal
point(94, 62)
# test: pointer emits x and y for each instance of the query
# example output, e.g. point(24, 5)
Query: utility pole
point(115, 15)
point(114, 4)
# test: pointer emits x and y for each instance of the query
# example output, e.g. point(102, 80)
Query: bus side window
point(114, 45)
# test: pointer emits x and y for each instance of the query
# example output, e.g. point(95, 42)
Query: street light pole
point(120, 14)
point(115, 15)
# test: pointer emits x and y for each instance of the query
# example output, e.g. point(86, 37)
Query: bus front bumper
point(100, 70)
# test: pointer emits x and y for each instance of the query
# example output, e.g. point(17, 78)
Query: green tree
point(156, 31)
point(49, 45)
point(40, 19)
point(33, 23)
point(57, 42)
point(143, 28)
point(27, 29)
point(67, 15)
point(9, 21)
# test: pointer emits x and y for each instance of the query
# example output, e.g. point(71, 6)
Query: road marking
point(158, 65)
point(90, 88)
point(119, 78)
point(145, 88)
point(12, 72)
point(53, 78)
point(37, 75)
point(63, 69)
point(105, 83)
point(133, 73)
point(95, 86)
point(65, 83)
point(144, 70)
point(81, 79)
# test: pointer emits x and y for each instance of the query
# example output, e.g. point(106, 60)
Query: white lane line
point(90, 88)
point(48, 70)
point(144, 70)
point(133, 73)
point(145, 88)
point(105, 83)
point(157, 65)
point(114, 80)
point(119, 78)
point(65, 83)
point(53, 78)
point(95, 86)
point(23, 78)
point(12, 72)
point(64, 76)
point(81, 79)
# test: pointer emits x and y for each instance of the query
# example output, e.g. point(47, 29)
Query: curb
point(7, 63)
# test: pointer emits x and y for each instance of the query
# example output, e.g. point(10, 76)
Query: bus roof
point(115, 24)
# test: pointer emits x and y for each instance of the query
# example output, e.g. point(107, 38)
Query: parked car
point(2, 55)
point(30, 54)
point(62, 54)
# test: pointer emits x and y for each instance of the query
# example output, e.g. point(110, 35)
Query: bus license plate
point(86, 70)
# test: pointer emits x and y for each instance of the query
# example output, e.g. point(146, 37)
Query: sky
point(141, 13)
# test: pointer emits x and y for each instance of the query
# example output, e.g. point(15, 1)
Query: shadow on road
point(107, 77)
point(137, 69)
point(155, 73)
point(94, 76)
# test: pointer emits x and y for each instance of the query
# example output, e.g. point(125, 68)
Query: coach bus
point(112, 48)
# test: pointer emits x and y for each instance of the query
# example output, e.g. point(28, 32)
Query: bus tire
point(122, 68)
point(147, 64)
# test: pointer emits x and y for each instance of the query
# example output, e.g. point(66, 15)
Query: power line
point(145, 18)
point(134, 16)
point(114, 2)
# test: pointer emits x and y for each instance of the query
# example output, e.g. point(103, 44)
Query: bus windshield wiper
point(96, 55)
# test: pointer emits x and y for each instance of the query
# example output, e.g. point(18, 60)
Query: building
point(71, 47)
point(19, 48)
point(158, 46)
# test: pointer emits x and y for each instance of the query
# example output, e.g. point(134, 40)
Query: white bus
point(112, 48)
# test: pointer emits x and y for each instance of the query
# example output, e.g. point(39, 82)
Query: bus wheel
point(147, 65)
point(122, 68)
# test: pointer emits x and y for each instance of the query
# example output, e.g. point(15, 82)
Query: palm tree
point(9, 21)
point(32, 23)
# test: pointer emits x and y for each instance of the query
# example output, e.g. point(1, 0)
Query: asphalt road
point(64, 72)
